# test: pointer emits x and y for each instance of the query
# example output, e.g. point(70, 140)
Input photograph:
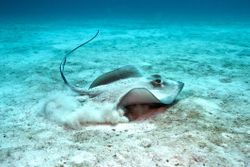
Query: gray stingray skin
point(127, 86)
point(115, 75)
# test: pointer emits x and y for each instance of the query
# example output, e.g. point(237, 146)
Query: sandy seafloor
point(208, 126)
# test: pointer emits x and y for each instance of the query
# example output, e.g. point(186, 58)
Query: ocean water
point(204, 44)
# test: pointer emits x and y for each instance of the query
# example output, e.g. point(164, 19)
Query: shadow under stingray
point(139, 112)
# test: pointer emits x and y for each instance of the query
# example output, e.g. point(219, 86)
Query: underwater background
point(202, 43)
point(127, 8)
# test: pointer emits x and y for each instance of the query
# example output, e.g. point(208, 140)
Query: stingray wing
point(112, 76)
point(138, 96)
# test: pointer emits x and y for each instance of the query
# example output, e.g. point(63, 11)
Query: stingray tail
point(64, 60)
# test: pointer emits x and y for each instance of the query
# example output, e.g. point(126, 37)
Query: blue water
point(126, 8)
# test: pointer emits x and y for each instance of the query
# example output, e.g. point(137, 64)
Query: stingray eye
point(157, 83)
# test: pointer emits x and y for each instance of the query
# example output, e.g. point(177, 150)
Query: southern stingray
point(128, 88)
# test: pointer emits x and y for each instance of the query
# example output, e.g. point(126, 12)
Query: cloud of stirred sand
point(68, 111)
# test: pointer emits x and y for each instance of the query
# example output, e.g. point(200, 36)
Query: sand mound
point(66, 110)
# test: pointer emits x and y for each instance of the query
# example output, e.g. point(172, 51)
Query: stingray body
point(128, 88)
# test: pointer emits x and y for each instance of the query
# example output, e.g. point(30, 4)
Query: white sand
point(209, 126)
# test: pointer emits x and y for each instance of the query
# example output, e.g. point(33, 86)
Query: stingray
point(129, 88)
